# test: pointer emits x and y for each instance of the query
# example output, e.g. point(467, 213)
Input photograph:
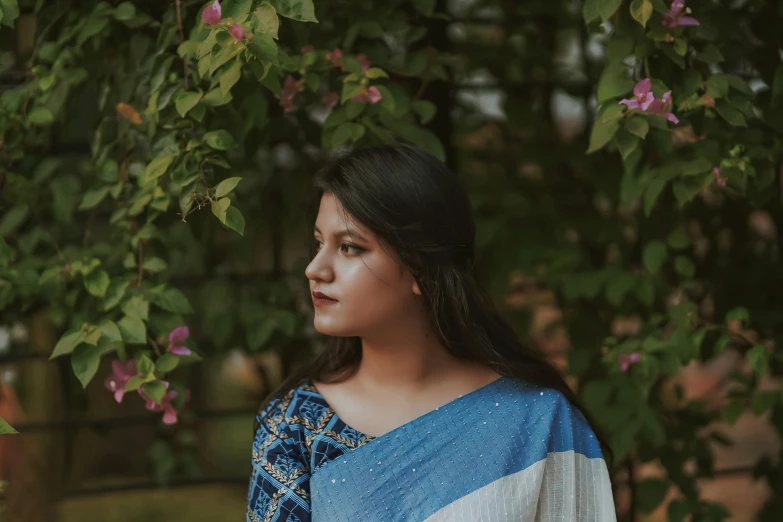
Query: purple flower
point(335, 57)
point(628, 359)
point(237, 32)
point(290, 87)
point(364, 61)
point(178, 336)
point(663, 107)
point(718, 178)
point(368, 95)
point(675, 16)
point(643, 96)
point(331, 99)
point(165, 405)
point(121, 374)
point(211, 14)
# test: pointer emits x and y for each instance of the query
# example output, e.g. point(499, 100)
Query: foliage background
point(123, 128)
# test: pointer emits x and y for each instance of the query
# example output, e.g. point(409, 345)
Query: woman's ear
point(416, 289)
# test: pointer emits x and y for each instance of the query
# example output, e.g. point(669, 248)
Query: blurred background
point(641, 254)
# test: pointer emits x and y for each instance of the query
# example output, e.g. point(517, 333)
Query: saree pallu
point(508, 451)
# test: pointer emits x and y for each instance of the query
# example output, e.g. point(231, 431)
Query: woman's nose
point(318, 269)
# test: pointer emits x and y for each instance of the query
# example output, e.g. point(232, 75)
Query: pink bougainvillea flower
point(362, 59)
point(212, 13)
point(335, 57)
point(331, 99)
point(663, 107)
point(368, 95)
point(675, 17)
point(178, 336)
point(290, 87)
point(119, 377)
point(628, 359)
point(718, 178)
point(237, 31)
point(306, 49)
point(165, 405)
point(642, 96)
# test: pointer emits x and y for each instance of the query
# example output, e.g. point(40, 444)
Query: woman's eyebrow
point(346, 232)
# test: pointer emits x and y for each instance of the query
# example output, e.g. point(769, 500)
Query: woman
point(424, 405)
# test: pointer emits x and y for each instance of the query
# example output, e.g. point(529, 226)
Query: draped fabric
point(509, 451)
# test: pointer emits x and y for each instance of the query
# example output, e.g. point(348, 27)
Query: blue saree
point(508, 451)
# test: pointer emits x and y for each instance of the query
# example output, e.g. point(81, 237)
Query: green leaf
point(166, 362)
point(264, 48)
point(40, 116)
point(684, 266)
point(220, 207)
point(731, 115)
point(651, 493)
point(220, 140)
point(145, 366)
point(387, 102)
point(137, 307)
point(718, 86)
point(425, 109)
point(230, 77)
point(9, 12)
point(604, 8)
point(348, 131)
point(626, 143)
point(67, 343)
point(641, 10)
point(739, 313)
point(155, 390)
point(375, 72)
point(226, 186)
point(169, 298)
point(710, 54)
point(651, 193)
point(109, 331)
point(300, 10)
point(637, 126)
point(654, 256)
point(758, 357)
point(613, 83)
point(84, 361)
point(135, 382)
point(93, 197)
point(155, 265)
point(266, 20)
point(351, 89)
point(115, 293)
point(13, 218)
point(216, 98)
point(124, 12)
point(156, 168)
point(97, 282)
point(6, 429)
point(235, 220)
point(133, 330)
point(186, 100)
point(601, 134)
point(237, 10)
point(678, 239)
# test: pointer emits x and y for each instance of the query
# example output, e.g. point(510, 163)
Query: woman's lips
point(321, 299)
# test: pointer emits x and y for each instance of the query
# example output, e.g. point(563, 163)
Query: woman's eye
point(354, 250)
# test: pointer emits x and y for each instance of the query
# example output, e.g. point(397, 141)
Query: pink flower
point(708, 100)
point(718, 178)
point(121, 374)
point(368, 95)
point(211, 14)
point(290, 88)
point(663, 107)
point(178, 336)
point(628, 359)
point(306, 49)
point(335, 56)
point(642, 96)
point(675, 16)
point(331, 99)
point(165, 405)
point(237, 32)
point(362, 59)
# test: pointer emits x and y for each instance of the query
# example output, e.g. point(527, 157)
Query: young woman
point(424, 405)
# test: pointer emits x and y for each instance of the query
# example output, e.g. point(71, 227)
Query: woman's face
point(371, 287)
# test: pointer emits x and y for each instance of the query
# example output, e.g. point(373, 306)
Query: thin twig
point(182, 39)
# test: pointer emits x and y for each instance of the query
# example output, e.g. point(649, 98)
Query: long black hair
point(416, 206)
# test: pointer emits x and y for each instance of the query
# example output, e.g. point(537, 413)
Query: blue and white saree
point(509, 451)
